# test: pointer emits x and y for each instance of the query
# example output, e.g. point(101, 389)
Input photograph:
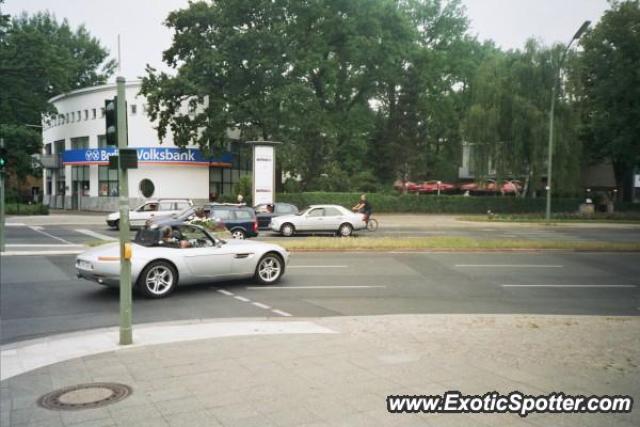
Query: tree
point(609, 92)
point(507, 123)
point(41, 58)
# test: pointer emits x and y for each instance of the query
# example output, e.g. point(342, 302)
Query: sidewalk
point(338, 371)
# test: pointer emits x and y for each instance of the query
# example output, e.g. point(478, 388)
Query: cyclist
point(364, 207)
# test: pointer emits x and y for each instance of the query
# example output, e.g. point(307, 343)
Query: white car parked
point(151, 208)
point(319, 218)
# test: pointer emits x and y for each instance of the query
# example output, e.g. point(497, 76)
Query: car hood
point(113, 215)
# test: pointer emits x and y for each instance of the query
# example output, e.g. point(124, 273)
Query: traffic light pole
point(125, 261)
point(2, 200)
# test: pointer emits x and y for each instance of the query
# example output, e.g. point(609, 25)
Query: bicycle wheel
point(372, 225)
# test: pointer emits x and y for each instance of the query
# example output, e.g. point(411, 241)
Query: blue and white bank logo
point(92, 155)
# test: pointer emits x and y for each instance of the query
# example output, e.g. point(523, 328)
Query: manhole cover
point(85, 396)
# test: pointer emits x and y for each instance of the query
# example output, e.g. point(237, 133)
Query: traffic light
point(3, 158)
point(111, 121)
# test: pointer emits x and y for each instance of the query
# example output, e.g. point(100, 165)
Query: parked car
point(139, 215)
point(429, 187)
point(158, 267)
point(409, 186)
point(266, 212)
point(490, 186)
point(319, 218)
point(511, 187)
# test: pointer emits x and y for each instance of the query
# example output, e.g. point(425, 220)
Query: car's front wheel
point(158, 279)
point(287, 230)
point(269, 269)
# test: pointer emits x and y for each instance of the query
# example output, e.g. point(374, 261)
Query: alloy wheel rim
point(159, 280)
point(344, 230)
point(269, 269)
point(238, 235)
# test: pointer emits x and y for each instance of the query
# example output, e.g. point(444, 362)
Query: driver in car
point(170, 240)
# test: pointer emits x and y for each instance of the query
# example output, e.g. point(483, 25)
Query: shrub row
point(410, 203)
point(26, 209)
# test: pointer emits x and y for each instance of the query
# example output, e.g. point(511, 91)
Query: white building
point(75, 157)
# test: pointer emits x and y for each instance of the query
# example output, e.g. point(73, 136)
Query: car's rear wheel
point(158, 279)
point(116, 224)
point(238, 234)
point(269, 269)
point(345, 230)
point(287, 230)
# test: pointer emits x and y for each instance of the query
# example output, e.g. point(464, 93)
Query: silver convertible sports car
point(165, 257)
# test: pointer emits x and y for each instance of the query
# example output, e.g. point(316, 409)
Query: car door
point(206, 262)
point(332, 218)
point(313, 220)
point(138, 217)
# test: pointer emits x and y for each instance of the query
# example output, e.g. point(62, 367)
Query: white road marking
point(318, 266)
point(284, 288)
point(261, 305)
point(243, 299)
point(24, 356)
point(508, 266)
point(569, 286)
point(39, 230)
point(94, 234)
point(225, 292)
point(282, 313)
point(45, 253)
point(37, 245)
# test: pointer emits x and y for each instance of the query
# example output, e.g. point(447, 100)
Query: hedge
point(26, 209)
point(411, 203)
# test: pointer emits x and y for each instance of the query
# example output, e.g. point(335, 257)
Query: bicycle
point(372, 224)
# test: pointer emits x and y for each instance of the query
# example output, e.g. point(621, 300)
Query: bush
point(26, 209)
point(411, 203)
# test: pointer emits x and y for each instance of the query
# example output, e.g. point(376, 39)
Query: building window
point(79, 115)
point(47, 148)
point(86, 114)
point(134, 109)
point(215, 181)
point(102, 141)
point(67, 118)
point(80, 180)
point(80, 143)
point(60, 181)
point(102, 112)
point(147, 188)
point(93, 113)
point(58, 146)
point(107, 181)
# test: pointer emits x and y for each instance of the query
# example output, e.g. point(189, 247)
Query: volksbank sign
point(150, 155)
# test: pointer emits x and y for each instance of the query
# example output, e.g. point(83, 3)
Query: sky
point(144, 37)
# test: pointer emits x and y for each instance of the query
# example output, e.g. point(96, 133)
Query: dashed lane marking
point(254, 303)
point(568, 286)
point(508, 266)
point(282, 313)
point(317, 266)
point(94, 234)
point(284, 288)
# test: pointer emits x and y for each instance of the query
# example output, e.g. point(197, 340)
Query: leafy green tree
point(609, 91)
point(41, 58)
point(507, 123)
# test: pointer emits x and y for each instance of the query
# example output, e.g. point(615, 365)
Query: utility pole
point(2, 166)
point(123, 198)
point(556, 83)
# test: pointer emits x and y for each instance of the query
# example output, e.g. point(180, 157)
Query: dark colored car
point(240, 220)
point(266, 212)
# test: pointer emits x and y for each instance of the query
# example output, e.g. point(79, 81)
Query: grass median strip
point(446, 243)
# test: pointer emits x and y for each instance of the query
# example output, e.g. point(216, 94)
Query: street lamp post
point(556, 83)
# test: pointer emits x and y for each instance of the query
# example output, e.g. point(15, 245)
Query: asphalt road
point(39, 295)
point(21, 237)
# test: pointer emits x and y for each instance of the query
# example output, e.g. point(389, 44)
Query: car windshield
point(147, 236)
point(303, 211)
